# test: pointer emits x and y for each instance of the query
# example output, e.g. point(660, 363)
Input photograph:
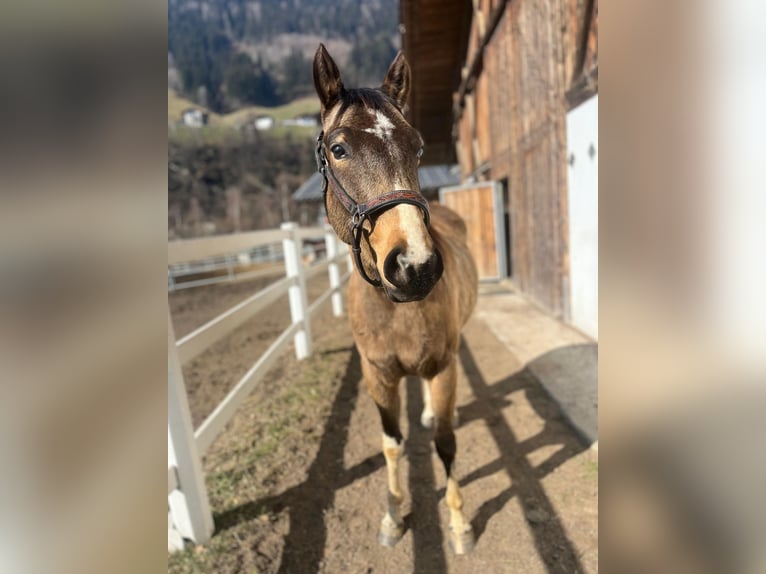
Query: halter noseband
point(361, 211)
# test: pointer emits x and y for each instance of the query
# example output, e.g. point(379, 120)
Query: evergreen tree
point(296, 76)
point(202, 35)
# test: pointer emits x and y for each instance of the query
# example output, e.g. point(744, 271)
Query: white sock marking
point(427, 416)
point(389, 442)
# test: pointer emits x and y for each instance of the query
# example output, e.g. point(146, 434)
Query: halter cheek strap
point(361, 211)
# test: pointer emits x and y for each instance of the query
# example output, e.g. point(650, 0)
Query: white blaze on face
point(383, 127)
point(414, 228)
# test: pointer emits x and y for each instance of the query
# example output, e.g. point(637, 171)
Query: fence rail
point(202, 337)
point(189, 513)
point(217, 266)
point(205, 248)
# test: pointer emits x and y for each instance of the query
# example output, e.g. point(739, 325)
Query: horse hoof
point(461, 543)
point(427, 421)
point(389, 538)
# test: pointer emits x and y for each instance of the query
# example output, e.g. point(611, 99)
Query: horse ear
point(397, 82)
point(326, 78)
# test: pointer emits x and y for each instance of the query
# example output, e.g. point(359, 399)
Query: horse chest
point(405, 342)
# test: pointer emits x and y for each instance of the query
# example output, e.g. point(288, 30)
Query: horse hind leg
point(443, 399)
point(427, 416)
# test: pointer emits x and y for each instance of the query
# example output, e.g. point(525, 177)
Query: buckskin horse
point(416, 282)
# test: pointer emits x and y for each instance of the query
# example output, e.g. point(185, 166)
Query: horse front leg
point(443, 388)
point(385, 393)
point(427, 416)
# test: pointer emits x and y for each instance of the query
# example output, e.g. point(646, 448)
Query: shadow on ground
point(554, 547)
point(306, 503)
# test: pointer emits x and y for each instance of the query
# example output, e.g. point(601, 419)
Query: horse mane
point(372, 98)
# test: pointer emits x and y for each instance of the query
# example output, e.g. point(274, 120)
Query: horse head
point(369, 155)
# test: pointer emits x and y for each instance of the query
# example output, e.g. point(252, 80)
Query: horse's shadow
point(304, 545)
point(307, 502)
point(551, 541)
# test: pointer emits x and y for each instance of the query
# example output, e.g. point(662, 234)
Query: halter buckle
point(319, 155)
point(357, 218)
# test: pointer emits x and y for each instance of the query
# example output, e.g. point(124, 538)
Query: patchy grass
point(177, 104)
point(307, 105)
point(295, 131)
point(206, 135)
point(276, 431)
point(220, 555)
point(591, 467)
point(220, 134)
point(301, 106)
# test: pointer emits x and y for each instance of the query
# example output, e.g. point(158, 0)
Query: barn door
point(481, 206)
point(582, 148)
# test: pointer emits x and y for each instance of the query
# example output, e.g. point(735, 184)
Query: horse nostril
point(402, 274)
point(394, 266)
point(436, 265)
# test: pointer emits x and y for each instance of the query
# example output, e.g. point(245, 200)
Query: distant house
point(194, 118)
point(303, 121)
point(262, 123)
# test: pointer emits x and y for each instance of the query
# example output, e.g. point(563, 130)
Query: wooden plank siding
point(465, 137)
point(525, 63)
point(477, 207)
point(520, 105)
point(482, 132)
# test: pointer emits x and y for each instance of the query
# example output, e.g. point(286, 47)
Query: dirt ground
point(297, 481)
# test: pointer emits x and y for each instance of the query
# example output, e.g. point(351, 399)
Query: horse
point(415, 284)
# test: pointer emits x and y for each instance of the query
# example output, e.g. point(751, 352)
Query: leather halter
point(361, 211)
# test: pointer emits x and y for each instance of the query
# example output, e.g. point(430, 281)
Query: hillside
point(306, 105)
point(238, 59)
point(230, 54)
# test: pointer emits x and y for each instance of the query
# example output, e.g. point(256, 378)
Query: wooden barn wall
point(465, 139)
point(514, 125)
point(483, 113)
point(529, 148)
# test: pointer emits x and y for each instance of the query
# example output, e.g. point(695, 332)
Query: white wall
point(582, 173)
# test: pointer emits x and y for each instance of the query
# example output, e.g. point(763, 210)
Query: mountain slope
point(226, 54)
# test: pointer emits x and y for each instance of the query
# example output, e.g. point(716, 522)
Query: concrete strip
point(564, 360)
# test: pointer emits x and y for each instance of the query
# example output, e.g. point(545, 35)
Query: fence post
point(331, 244)
point(189, 505)
point(297, 293)
point(349, 260)
point(230, 266)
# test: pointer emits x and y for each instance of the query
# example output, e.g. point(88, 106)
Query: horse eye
point(338, 151)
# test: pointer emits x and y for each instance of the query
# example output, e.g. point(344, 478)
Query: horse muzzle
point(405, 281)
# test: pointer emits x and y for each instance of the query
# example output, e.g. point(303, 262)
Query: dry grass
point(267, 445)
point(308, 105)
point(177, 104)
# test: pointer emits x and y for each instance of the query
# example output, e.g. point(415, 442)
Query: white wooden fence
point(189, 515)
